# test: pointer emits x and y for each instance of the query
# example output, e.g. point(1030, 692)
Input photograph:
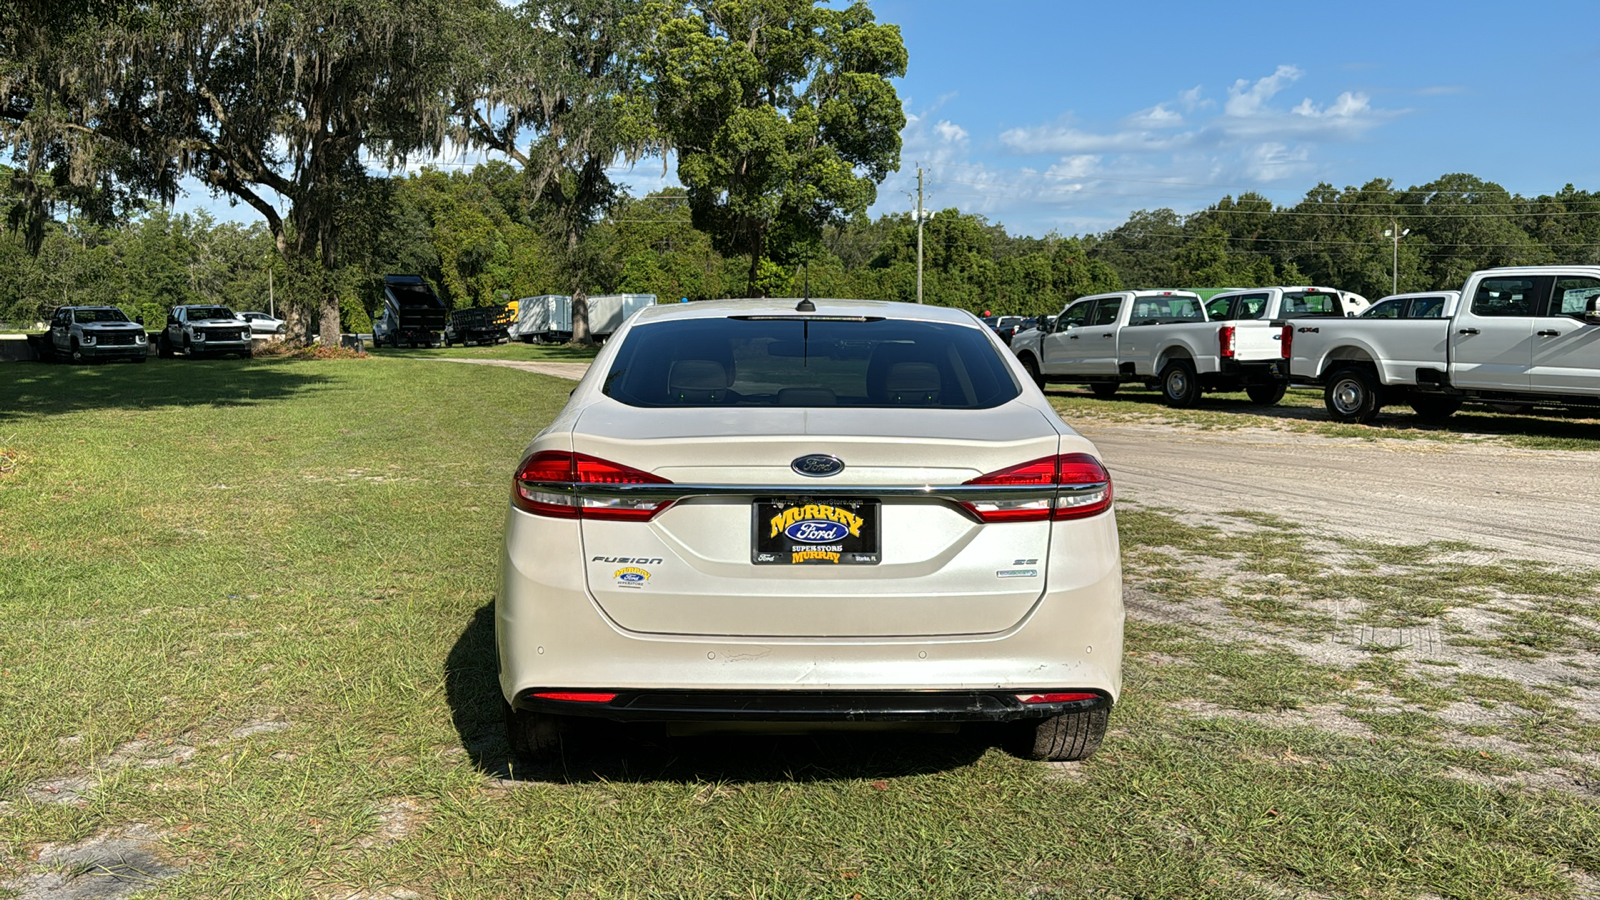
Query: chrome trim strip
point(957, 492)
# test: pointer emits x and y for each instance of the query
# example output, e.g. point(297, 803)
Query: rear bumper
point(551, 635)
point(1254, 371)
point(809, 706)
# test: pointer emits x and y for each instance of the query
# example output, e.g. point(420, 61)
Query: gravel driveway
point(1535, 504)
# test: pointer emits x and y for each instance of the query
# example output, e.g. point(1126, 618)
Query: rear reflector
point(1057, 698)
point(1087, 484)
point(548, 482)
point(579, 697)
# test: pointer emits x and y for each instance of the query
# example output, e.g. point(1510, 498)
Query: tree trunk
point(329, 330)
point(755, 266)
point(580, 318)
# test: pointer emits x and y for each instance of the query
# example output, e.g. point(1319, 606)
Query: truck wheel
point(1180, 386)
point(1265, 394)
point(1352, 396)
point(1435, 409)
point(1032, 365)
point(76, 353)
point(1069, 736)
point(140, 359)
point(1104, 390)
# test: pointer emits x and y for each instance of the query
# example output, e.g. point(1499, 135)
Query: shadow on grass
point(29, 389)
point(1555, 426)
point(641, 753)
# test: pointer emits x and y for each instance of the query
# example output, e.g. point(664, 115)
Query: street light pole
point(1394, 231)
point(919, 234)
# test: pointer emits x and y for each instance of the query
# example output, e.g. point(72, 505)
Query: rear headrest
point(697, 381)
point(912, 383)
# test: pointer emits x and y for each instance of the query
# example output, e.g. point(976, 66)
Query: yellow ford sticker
point(631, 577)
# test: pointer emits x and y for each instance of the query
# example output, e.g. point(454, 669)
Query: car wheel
point(1104, 390)
point(1265, 394)
point(1032, 365)
point(163, 347)
point(247, 354)
point(1352, 396)
point(1180, 386)
point(1069, 736)
point(76, 352)
point(140, 359)
point(1435, 409)
point(534, 737)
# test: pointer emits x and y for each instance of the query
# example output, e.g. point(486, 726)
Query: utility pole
point(919, 234)
point(1394, 231)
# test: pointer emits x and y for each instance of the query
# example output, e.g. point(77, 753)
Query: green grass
point(250, 602)
point(1301, 411)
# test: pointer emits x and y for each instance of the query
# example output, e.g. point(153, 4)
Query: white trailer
point(607, 312)
point(546, 318)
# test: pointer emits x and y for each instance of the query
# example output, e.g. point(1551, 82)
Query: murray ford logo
point(817, 465)
point(816, 531)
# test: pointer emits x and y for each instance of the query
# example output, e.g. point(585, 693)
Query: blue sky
point(1066, 116)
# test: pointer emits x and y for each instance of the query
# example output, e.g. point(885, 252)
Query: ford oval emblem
point(817, 465)
point(816, 531)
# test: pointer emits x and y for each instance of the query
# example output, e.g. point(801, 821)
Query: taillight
point(550, 484)
point(1225, 341)
point(578, 696)
point(1288, 341)
point(1089, 494)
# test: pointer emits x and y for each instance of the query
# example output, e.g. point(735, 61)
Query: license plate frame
point(815, 531)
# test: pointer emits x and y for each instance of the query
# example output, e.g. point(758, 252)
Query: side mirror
point(1591, 311)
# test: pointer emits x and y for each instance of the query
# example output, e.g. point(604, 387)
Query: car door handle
point(1548, 333)
point(1107, 334)
point(1072, 337)
point(1467, 331)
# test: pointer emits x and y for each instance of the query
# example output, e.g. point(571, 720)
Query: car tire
point(1063, 738)
point(140, 359)
point(1180, 385)
point(1104, 390)
point(76, 353)
point(1352, 395)
point(163, 347)
point(1266, 394)
point(534, 737)
point(247, 354)
point(1032, 365)
point(1435, 409)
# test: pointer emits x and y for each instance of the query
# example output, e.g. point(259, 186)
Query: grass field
point(244, 615)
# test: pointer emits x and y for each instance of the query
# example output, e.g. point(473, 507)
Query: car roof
point(117, 308)
point(785, 306)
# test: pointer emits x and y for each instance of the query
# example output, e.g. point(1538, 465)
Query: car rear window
point(808, 361)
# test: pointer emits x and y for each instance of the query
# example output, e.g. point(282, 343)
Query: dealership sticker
point(631, 577)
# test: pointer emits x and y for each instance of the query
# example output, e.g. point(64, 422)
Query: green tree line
point(476, 237)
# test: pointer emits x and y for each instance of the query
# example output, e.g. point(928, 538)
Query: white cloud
point(1158, 116)
point(949, 132)
point(1274, 162)
point(1245, 99)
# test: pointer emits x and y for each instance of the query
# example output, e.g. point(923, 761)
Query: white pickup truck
point(1517, 336)
point(1160, 338)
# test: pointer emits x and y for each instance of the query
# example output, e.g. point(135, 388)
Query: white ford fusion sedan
point(788, 515)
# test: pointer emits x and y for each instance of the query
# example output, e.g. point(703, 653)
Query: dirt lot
point(1535, 504)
